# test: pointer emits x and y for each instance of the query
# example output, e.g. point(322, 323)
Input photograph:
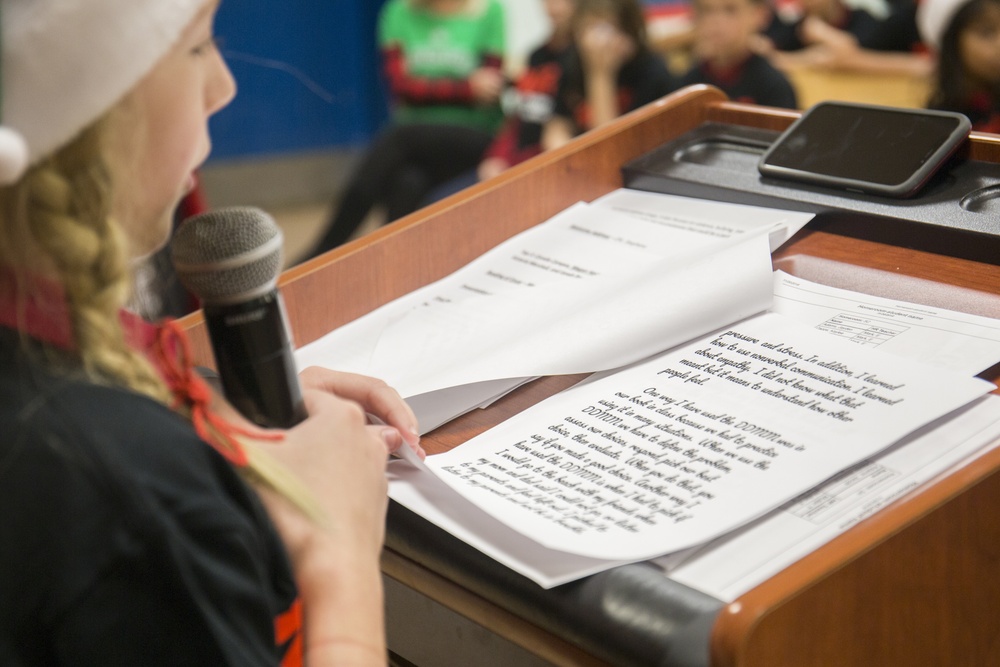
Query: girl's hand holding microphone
point(339, 459)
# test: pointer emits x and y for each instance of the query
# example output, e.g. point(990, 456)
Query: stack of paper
point(711, 415)
point(681, 449)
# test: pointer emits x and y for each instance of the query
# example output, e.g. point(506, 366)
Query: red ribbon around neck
point(171, 352)
point(41, 313)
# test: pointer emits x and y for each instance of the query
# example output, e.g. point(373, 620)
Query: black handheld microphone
point(230, 258)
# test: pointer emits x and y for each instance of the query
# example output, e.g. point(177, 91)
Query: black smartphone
point(887, 151)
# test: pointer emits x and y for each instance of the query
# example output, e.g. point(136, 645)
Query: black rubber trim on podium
point(629, 615)
point(718, 161)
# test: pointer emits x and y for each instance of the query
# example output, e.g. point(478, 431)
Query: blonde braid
point(64, 212)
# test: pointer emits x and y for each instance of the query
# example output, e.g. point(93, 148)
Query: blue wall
point(332, 42)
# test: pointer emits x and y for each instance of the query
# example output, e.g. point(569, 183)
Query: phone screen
point(869, 145)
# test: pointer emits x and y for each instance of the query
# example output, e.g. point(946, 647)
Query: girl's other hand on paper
point(376, 398)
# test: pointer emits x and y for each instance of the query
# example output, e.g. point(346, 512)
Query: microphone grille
point(228, 255)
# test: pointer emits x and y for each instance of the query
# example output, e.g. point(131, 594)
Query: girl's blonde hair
point(57, 223)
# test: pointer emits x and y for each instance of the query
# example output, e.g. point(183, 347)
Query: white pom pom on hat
point(934, 17)
point(64, 63)
point(13, 156)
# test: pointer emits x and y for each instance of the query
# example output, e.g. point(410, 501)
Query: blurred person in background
point(527, 105)
point(965, 38)
point(725, 32)
point(610, 70)
point(443, 60)
point(858, 41)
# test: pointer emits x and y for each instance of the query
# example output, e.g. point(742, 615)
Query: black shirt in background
point(640, 81)
point(755, 81)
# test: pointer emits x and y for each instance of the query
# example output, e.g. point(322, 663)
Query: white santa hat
point(934, 17)
point(64, 63)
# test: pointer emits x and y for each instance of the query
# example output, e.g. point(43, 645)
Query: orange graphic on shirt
point(288, 635)
point(542, 79)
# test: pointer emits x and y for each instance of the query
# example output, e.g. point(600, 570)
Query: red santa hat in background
point(934, 17)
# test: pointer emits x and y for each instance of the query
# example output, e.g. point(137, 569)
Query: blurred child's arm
point(836, 49)
point(603, 50)
point(558, 131)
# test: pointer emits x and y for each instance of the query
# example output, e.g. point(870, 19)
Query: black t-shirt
point(126, 539)
point(755, 81)
point(642, 80)
point(898, 31)
point(531, 99)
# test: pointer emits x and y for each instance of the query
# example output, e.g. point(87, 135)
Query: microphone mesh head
point(228, 255)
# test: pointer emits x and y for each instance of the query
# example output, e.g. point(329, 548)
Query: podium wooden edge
point(760, 627)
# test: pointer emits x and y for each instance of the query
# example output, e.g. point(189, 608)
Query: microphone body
point(230, 258)
point(253, 354)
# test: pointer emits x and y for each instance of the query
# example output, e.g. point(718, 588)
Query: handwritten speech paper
point(681, 448)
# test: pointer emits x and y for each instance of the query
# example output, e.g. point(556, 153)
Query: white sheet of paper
point(730, 566)
point(742, 559)
point(673, 452)
point(719, 221)
point(417, 488)
point(945, 338)
point(438, 407)
point(587, 290)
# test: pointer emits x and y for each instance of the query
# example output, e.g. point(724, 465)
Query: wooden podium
point(918, 583)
